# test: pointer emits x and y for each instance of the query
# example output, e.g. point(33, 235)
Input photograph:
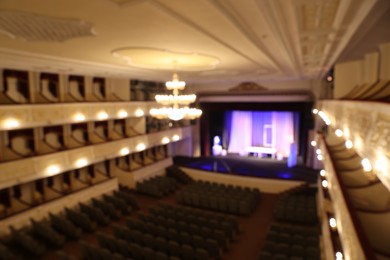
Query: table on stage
point(259, 150)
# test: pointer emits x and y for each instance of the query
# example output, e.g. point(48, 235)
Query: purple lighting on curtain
point(260, 129)
point(240, 132)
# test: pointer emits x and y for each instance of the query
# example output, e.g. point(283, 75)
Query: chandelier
point(176, 105)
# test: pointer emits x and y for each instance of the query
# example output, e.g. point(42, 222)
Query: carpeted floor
point(247, 245)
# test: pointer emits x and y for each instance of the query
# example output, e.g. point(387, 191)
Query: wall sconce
point(139, 112)
point(175, 138)
point(322, 173)
point(124, 151)
point(324, 117)
point(140, 147)
point(348, 144)
point(79, 117)
point(81, 163)
point(339, 133)
point(165, 140)
point(366, 165)
point(122, 113)
point(53, 169)
point(102, 115)
point(324, 184)
point(332, 223)
point(313, 143)
point(11, 123)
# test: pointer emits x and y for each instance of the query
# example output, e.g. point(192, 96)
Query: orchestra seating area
point(295, 233)
point(120, 225)
point(157, 186)
point(297, 206)
point(219, 197)
point(285, 241)
point(175, 172)
point(180, 232)
point(35, 240)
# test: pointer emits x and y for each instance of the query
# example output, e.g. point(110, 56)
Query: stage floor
point(249, 166)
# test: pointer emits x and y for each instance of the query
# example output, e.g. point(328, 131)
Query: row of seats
point(171, 243)
point(148, 249)
point(291, 242)
point(185, 233)
point(180, 231)
point(180, 176)
point(93, 252)
point(297, 206)
point(196, 216)
point(5, 253)
point(157, 186)
point(22, 242)
point(220, 197)
point(52, 233)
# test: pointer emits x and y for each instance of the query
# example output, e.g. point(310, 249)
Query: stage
point(249, 166)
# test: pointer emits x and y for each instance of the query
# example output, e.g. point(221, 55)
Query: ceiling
point(204, 40)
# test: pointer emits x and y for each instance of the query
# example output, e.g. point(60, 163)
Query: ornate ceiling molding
point(160, 59)
point(229, 12)
point(248, 86)
point(39, 62)
point(34, 27)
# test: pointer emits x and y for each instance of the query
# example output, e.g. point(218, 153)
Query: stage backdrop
point(263, 129)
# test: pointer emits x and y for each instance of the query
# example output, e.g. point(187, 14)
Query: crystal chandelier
point(178, 104)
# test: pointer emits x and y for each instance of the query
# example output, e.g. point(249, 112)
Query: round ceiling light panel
point(151, 58)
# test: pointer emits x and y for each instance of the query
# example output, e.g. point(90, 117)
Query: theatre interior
point(195, 130)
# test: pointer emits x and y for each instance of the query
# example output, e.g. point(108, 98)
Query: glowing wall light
point(339, 132)
point(315, 111)
point(320, 157)
point(339, 256)
point(318, 151)
point(53, 169)
point(367, 167)
point(11, 123)
point(139, 112)
point(122, 113)
point(140, 147)
point(323, 173)
point(102, 115)
point(324, 184)
point(324, 117)
point(79, 117)
point(175, 138)
point(81, 162)
point(348, 144)
point(124, 151)
point(332, 223)
point(313, 143)
point(165, 140)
